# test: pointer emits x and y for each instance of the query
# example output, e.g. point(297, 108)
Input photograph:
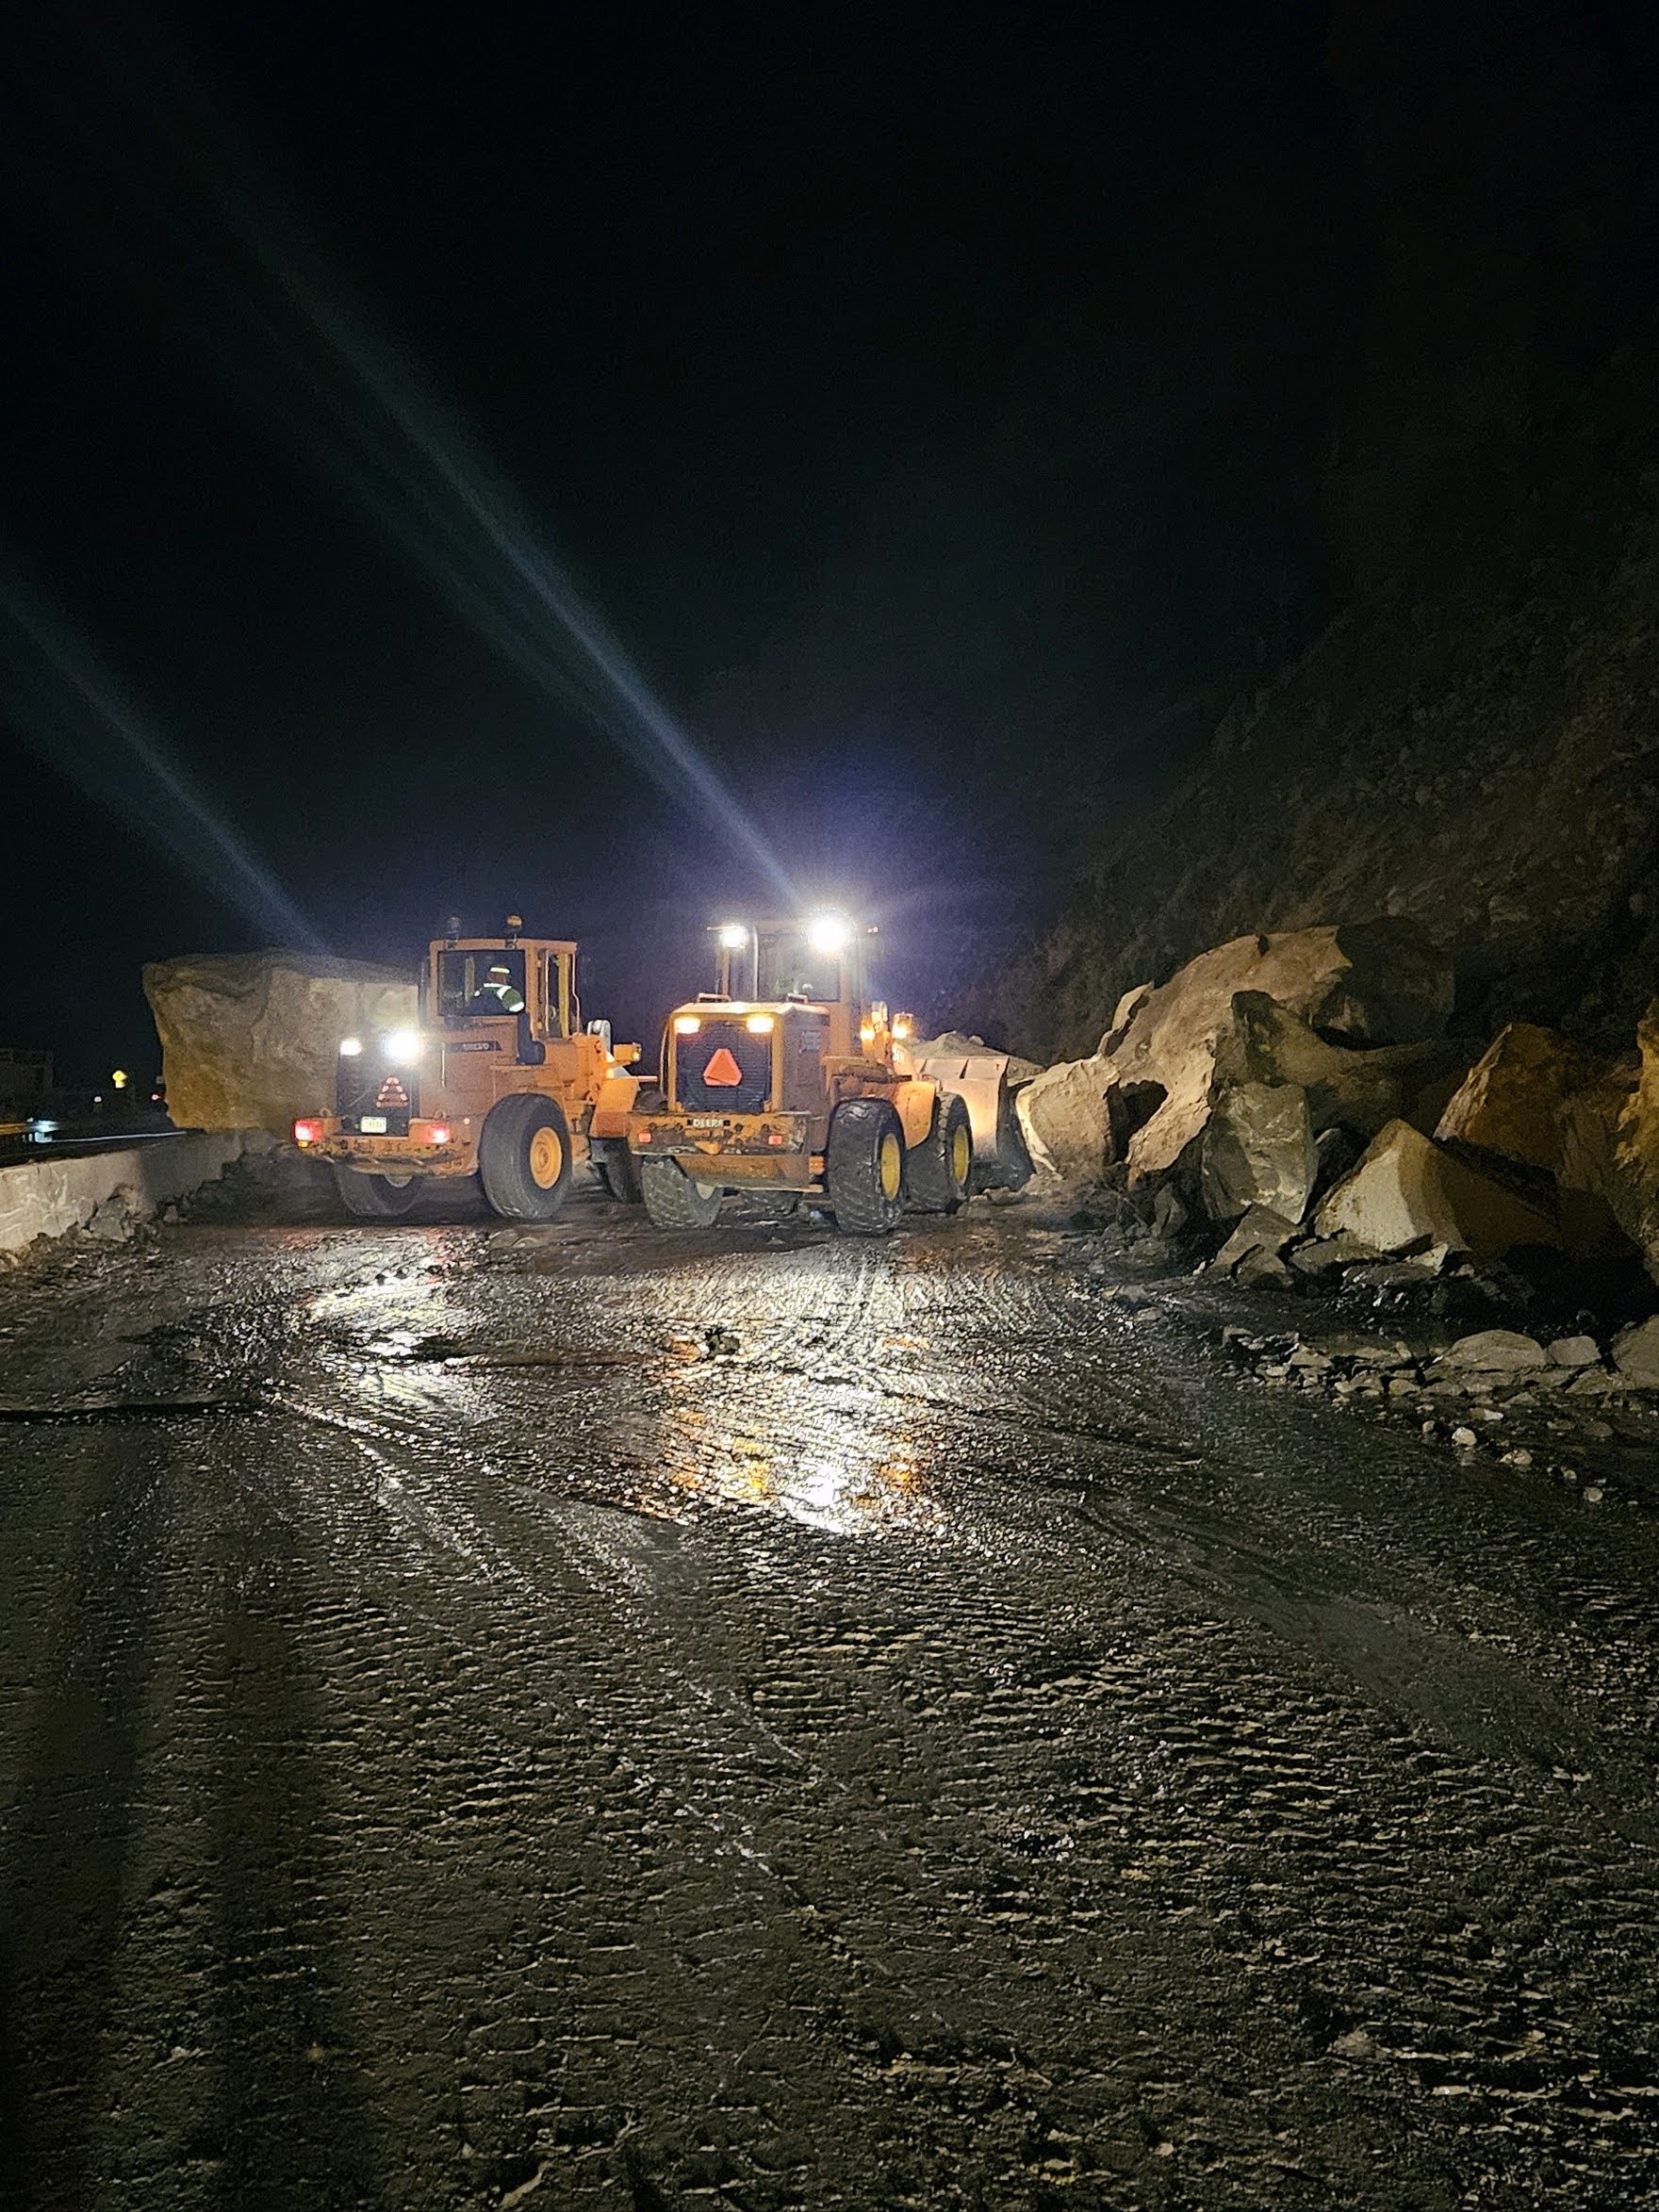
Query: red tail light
point(439, 1133)
point(307, 1132)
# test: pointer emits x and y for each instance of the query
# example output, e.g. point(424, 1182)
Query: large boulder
point(1259, 1152)
point(1635, 1194)
point(248, 1040)
point(1346, 1087)
point(1065, 1118)
point(1516, 1100)
point(1369, 984)
point(1407, 1193)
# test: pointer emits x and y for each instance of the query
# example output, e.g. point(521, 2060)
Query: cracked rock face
point(1259, 1152)
point(1407, 1192)
point(249, 1041)
point(1375, 983)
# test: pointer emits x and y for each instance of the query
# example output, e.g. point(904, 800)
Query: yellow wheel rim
point(962, 1157)
point(890, 1166)
point(547, 1158)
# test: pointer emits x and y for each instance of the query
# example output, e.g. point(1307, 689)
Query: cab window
point(471, 984)
point(557, 994)
point(789, 968)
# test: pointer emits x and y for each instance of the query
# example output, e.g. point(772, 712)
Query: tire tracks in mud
point(1048, 1843)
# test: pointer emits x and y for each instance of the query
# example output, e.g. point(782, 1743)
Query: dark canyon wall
point(1474, 741)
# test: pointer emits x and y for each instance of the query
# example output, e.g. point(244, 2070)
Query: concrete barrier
point(63, 1191)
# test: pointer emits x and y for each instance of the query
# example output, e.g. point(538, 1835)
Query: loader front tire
point(863, 1168)
point(673, 1201)
point(937, 1171)
point(524, 1157)
point(375, 1198)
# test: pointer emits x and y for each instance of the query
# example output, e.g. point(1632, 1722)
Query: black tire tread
point(850, 1174)
point(503, 1157)
point(672, 1200)
point(928, 1183)
point(371, 1198)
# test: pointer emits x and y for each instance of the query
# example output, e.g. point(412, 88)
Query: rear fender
point(614, 1105)
point(916, 1101)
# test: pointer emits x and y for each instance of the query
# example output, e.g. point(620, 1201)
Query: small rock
point(1496, 1351)
point(1464, 1439)
point(1596, 1382)
point(1593, 1494)
point(1575, 1352)
point(1517, 1459)
point(1262, 1235)
point(1322, 1254)
point(1391, 1274)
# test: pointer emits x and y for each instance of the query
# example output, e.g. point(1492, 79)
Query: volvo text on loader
point(788, 1078)
point(500, 1080)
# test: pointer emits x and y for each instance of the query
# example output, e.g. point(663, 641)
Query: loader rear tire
point(864, 1168)
point(937, 1171)
point(524, 1157)
point(376, 1198)
point(619, 1171)
point(673, 1201)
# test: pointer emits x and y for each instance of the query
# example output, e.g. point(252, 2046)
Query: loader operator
point(497, 993)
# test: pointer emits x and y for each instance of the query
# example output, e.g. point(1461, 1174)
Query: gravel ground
point(574, 1717)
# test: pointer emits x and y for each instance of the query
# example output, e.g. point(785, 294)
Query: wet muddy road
point(774, 1721)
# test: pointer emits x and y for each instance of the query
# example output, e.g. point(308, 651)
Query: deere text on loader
point(789, 1078)
point(500, 1080)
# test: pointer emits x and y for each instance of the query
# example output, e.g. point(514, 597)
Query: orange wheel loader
point(500, 1080)
point(788, 1078)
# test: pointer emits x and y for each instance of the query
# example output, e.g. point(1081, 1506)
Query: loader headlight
point(400, 1046)
point(733, 935)
point(350, 1047)
point(686, 1024)
point(828, 933)
point(760, 1024)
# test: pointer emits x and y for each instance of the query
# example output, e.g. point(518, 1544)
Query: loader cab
point(488, 983)
point(819, 962)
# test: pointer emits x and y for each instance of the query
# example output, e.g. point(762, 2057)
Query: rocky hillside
point(1474, 743)
point(1487, 767)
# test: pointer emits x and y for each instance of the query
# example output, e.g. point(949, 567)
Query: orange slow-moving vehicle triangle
point(722, 1069)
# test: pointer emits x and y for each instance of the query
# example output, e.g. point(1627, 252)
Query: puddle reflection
point(868, 1484)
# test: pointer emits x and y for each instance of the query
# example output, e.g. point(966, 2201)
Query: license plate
point(707, 1122)
point(372, 1124)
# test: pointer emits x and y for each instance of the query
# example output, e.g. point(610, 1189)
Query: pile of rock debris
point(1293, 1106)
point(1562, 1408)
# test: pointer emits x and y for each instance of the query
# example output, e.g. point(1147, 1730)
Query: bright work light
point(350, 1047)
point(733, 935)
point(828, 933)
point(400, 1046)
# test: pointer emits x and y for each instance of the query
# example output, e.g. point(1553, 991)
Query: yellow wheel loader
point(789, 1078)
point(500, 1080)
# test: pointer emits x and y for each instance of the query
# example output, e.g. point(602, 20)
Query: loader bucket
point(1001, 1161)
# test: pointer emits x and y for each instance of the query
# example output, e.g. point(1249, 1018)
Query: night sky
point(925, 401)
